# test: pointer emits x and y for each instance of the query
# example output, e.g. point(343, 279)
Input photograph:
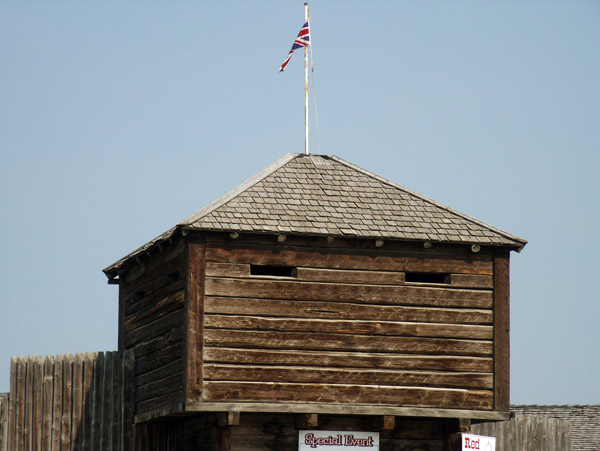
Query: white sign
point(471, 441)
point(338, 441)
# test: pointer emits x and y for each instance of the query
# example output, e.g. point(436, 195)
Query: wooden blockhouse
point(318, 290)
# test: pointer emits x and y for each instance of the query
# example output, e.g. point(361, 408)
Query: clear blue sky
point(119, 119)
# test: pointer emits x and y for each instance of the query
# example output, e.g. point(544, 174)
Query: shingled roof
point(325, 195)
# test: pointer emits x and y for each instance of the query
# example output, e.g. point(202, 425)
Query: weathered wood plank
point(155, 329)
point(351, 276)
point(98, 393)
point(153, 277)
point(121, 314)
point(160, 402)
point(471, 281)
point(351, 394)
point(159, 343)
point(105, 424)
point(58, 404)
point(38, 398)
point(168, 257)
point(223, 439)
point(78, 400)
point(349, 327)
point(348, 359)
point(326, 375)
point(334, 409)
point(338, 244)
point(194, 321)
point(370, 294)
point(340, 342)
point(4, 420)
point(154, 389)
point(67, 396)
point(88, 396)
point(128, 401)
point(159, 358)
point(216, 269)
point(159, 309)
point(159, 373)
point(388, 422)
point(340, 310)
point(379, 277)
point(350, 259)
point(117, 384)
point(153, 290)
point(29, 382)
point(527, 433)
point(48, 396)
point(13, 404)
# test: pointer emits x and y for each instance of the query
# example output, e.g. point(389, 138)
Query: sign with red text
point(481, 442)
point(338, 441)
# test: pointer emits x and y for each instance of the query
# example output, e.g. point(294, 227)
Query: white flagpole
point(306, 86)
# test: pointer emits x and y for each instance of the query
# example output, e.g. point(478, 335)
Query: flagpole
point(306, 86)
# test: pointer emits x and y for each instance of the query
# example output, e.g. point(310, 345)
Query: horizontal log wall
point(346, 327)
point(152, 324)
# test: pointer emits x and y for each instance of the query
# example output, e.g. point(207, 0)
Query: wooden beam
point(350, 327)
point(464, 424)
point(337, 409)
point(334, 292)
point(194, 310)
point(385, 422)
point(343, 342)
point(230, 418)
point(502, 331)
point(346, 310)
point(127, 400)
point(340, 375)
point(373, 361)
point(351, 257)
point(223, 438)
point(122, 316)
point(307, 421)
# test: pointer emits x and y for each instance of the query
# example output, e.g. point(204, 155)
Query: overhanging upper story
point(317, 286)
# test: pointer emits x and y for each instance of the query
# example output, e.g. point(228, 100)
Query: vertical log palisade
point(318, 288)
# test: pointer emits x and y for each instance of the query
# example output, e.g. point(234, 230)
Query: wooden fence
point(81, 402)
point(65, 403)
point(528, 433)
point(3, 419)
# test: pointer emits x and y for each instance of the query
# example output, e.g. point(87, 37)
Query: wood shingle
point(325, 195)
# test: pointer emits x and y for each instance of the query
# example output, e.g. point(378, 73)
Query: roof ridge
point(265, 172)
point(429, 200)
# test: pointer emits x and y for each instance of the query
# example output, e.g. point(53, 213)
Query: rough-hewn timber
point(152, 297)
point(344, 326)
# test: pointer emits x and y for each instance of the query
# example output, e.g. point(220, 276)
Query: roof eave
point(519, 242)
point(112, 271)
point(515, 245)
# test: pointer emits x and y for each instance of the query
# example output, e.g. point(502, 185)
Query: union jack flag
point(303, 40)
